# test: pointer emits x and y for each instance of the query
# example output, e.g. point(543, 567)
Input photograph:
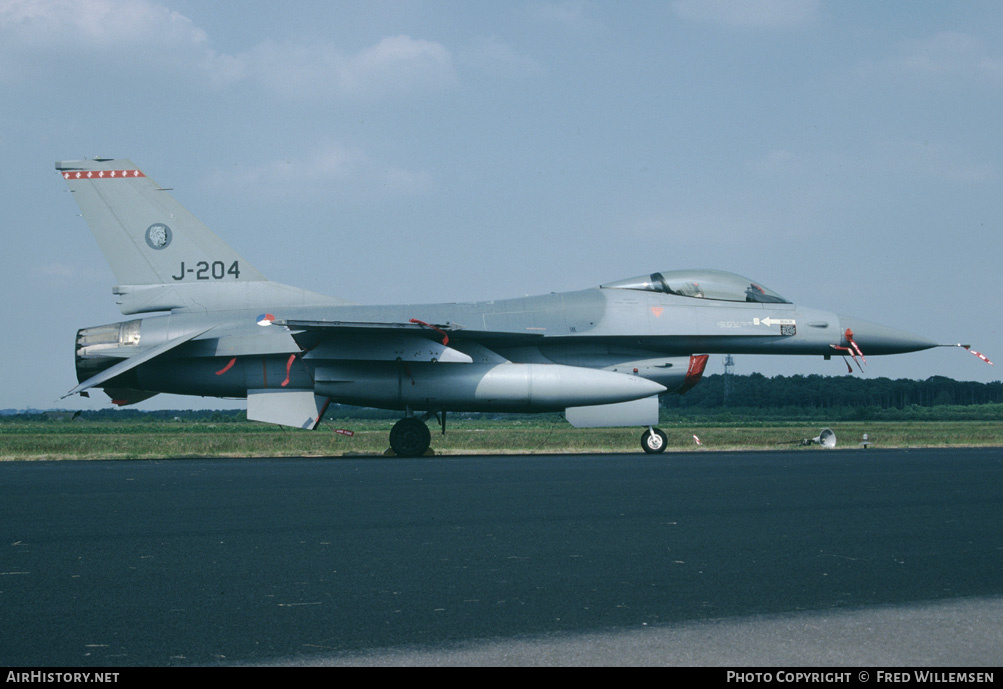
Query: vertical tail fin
point(147, 237)
point(163, 257)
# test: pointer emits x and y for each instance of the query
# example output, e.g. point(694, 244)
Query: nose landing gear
point(653, 441)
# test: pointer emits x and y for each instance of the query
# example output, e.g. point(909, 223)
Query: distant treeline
point(755, 395)
point(842, 398)
point(824, 392)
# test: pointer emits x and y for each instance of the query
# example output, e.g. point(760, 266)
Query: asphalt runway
point(814, 557)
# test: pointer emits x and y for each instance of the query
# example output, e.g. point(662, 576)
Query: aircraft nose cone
point(873, 338)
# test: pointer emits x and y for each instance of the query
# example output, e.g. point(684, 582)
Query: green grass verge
point(32, 440)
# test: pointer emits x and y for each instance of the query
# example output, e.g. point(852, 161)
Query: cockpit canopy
point(701, 284)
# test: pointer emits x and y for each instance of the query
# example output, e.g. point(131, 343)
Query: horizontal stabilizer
point(223, 296)
point(132, 362)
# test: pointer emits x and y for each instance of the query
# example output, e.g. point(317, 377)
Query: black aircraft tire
point(410, 438)
point(654, 441)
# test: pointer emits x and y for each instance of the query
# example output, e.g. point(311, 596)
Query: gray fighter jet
point(601, 355)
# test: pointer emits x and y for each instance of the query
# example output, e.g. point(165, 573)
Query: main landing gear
point(653, 441)
point(410, 437)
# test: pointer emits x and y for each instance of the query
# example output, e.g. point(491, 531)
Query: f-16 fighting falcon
point(209, 323)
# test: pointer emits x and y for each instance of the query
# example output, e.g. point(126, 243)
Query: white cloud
point(107, 23)
point(397, 64)
point(750, 14)
point(57, 274)
point(330, 165)
point(403, 181)
point(133, 32)
point(924, 160)
point(775, 162)
point(327, 162)
point(947, 54)
point(500, 59)
point(572, 15)
point(146, 33)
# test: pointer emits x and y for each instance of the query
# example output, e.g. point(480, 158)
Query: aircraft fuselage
point(645, 334)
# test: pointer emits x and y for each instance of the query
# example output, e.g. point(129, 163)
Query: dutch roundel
point(265, 319)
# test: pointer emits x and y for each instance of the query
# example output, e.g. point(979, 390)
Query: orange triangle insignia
point(657, 310)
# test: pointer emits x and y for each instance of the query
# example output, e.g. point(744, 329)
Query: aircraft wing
point(411, 341)
point(430, 330)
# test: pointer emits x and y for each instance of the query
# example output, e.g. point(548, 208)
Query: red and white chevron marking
point(102, 174)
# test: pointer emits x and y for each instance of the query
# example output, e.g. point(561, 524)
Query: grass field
point(36, 440)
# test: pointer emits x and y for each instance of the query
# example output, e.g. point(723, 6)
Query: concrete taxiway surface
point(699, 558)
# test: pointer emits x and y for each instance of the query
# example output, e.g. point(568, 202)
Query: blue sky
point(845, 154)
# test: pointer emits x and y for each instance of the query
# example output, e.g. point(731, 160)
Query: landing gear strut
point(653, 441)
point(410, 437)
